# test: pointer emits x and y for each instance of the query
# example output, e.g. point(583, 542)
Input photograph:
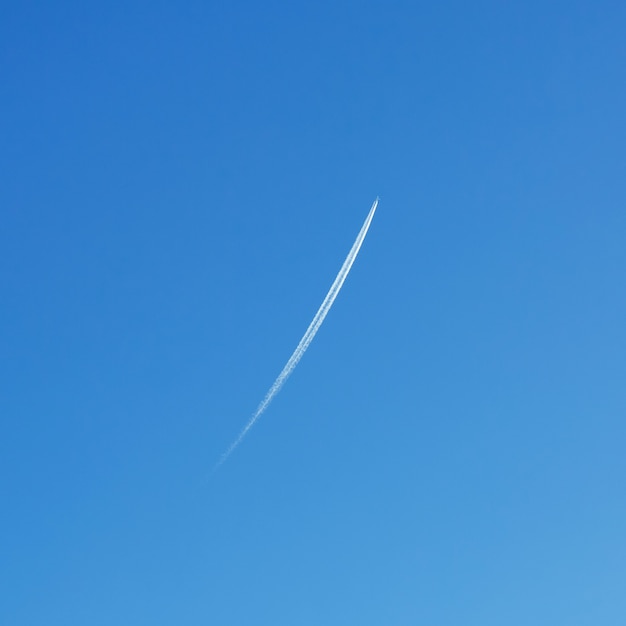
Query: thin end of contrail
point(308, 336)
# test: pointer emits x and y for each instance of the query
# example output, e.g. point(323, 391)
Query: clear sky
point(179, 185)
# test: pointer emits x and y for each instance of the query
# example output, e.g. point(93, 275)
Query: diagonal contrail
point(309, 335)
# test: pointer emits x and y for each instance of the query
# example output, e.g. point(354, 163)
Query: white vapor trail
point(309, 335)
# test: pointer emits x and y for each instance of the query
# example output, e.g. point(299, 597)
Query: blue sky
point(180, 184)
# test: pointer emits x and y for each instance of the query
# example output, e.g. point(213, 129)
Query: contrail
point(309, 335)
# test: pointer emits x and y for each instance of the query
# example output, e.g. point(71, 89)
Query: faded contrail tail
point(308, 335)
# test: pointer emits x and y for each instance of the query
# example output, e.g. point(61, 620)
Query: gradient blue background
point(179, 184)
